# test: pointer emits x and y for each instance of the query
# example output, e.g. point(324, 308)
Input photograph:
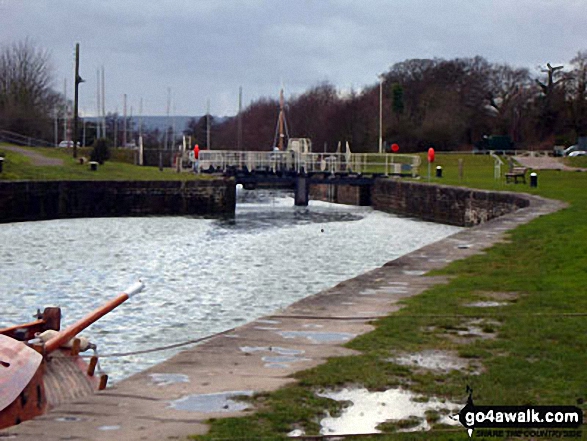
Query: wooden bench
point(517, 172)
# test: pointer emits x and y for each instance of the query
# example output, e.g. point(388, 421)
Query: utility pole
point(78, 80)
point(65, 113)
point(380, 114)
point(98, 113)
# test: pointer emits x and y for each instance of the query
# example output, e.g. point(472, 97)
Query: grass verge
point(538, 352)
point(20, 167)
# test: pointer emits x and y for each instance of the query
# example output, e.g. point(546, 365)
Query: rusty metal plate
point(18, 364)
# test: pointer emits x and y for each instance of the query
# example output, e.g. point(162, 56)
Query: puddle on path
point(283, 359)
point(313, 326)
point(207, 403)
point(68, 419)
point(486, 304)
point(433, 359)
point(269, 322)
point(167, 379)
point(369, 409)
point(275, 349)
point(414, 272)
point(385, 290)
point(319, 337)
point(108, 428)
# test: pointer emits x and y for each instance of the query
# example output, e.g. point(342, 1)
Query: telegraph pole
point(78, 80)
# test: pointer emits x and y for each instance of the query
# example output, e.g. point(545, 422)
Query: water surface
point(202, 276)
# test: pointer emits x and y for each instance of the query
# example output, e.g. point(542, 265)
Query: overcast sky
point(206, 49)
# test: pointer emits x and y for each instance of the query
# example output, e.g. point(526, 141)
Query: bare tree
point(577, 96)
point(26, 97)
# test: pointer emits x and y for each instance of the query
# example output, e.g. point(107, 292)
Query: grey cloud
point(207, 48)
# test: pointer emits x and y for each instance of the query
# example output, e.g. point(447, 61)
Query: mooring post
point(301, 196)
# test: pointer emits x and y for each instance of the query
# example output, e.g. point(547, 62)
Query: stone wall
point(443, 204)
point(342, 193)
point(39, 200)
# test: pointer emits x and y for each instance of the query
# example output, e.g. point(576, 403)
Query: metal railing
point(387, 164)
point(23, 140)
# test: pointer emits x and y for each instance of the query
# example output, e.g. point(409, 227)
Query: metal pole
point(56, 111)
point(141, 120)
point(281, 135)
point(103, 105)
point(240, 119)
point(124, 122)
point(98, 120)
point(75, 99)
point(65, 109)
point(380, 114)
point(208, 126)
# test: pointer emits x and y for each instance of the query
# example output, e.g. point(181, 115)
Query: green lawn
point(539, 355)
point(19, 167)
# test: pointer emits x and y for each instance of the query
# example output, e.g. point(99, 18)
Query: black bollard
point(1, 163)
point(533, 180)
point(439, 171)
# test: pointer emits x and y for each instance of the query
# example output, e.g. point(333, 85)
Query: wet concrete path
point(175, 398)
point(36, 158)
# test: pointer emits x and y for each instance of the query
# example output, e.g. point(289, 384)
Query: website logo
point(518, 420)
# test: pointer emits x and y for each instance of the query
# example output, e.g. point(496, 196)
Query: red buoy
point(394, 148)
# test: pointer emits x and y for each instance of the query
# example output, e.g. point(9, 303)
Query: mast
point(281, 118)
point(124, 121)
point(239, 140)
point(208, 125)
point(103, 105)
point(65, 109)
point(98, 119)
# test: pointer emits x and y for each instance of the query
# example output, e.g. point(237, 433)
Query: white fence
point(388, 164)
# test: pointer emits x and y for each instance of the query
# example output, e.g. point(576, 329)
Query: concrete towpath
point(545, 163)
point(36, 158)
point(176, 398)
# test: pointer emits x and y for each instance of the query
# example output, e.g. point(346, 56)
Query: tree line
point(446, 104)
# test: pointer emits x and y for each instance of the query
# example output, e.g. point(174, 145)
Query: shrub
point(101, 152)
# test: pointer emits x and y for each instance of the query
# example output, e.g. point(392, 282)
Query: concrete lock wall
point(342, 194)
point(444, 204)
point(39, 200)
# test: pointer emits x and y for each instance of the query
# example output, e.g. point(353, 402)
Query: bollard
point(533, 180)
point(439, 171)
point(1, 162)
point(93, 165)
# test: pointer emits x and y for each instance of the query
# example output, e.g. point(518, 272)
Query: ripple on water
point(209, 275)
